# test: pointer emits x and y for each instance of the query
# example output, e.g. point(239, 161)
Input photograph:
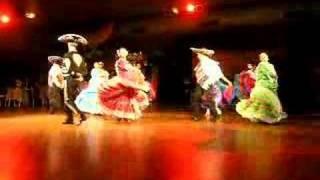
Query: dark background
point(236, 30)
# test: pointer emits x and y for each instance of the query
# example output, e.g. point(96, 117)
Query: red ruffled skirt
point(122, 101)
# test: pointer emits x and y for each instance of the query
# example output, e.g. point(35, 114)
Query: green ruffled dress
point(263, 104)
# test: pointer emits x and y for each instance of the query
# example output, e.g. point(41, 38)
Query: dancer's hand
point(145, 88)
point(227, 81)
point(80, 79)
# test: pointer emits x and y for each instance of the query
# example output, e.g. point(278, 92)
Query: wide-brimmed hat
point(204, 51)
point(55, 59)
point(75, 38)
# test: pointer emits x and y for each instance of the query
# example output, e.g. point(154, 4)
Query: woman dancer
point(247, 81)
point(87, 101)
point(124, 97)
point(263, 104)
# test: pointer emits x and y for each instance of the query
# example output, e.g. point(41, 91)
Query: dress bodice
point(98, 76)
point(266, 76)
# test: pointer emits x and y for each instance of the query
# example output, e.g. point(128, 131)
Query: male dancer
point(208, 73)
point(74, 70)
point(55, 83)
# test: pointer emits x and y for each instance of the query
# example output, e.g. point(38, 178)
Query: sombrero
point(75, 38)
point(55, 59)
point(204, 51)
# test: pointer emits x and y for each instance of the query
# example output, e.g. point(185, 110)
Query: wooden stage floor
point(164, 145)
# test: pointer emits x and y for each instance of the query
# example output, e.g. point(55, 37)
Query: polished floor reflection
point(162, 146)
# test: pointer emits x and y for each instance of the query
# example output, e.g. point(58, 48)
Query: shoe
point(208, 114)
point(128, 121)
point(219, 112)
point(119, 119)
point(218, 118)
point(69, 119)
point(78, 123)
point(195, 118)
point(83, 117)
point(67, 122)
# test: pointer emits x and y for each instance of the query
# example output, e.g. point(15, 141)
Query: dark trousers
point(199, 105)
point(196, 95)
point(55, 98)
point(71, 91)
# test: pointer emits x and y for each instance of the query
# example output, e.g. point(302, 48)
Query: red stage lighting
point(9, 16)
point(175, 10)
point(5, 19)
point(191, 8)
point(30, 15)
point(187, 8)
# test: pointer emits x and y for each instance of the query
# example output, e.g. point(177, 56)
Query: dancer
point(263, 104)
point(124, 97)
point(243, 84)
point(74, 71)
point(55, 83)
point(88, 100)
point(247, 81)
point(138, 60)
point(236, 90)
point(208, 74)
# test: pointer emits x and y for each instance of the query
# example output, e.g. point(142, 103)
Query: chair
point(32, 97)
point(43, 95)
point(17, 96)
point(9, 97)
point(2, 99)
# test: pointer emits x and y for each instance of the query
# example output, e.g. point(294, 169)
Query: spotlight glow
point(4, 19)
point(175, 10)
point(30, 15)
point(190, 8)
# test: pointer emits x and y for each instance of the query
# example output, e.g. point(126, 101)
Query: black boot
point(195, 118)
point(69, 119)
point(82, 118)
point(119, 119)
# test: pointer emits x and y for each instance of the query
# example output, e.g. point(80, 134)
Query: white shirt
point(54, 75)
point(209, 68)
